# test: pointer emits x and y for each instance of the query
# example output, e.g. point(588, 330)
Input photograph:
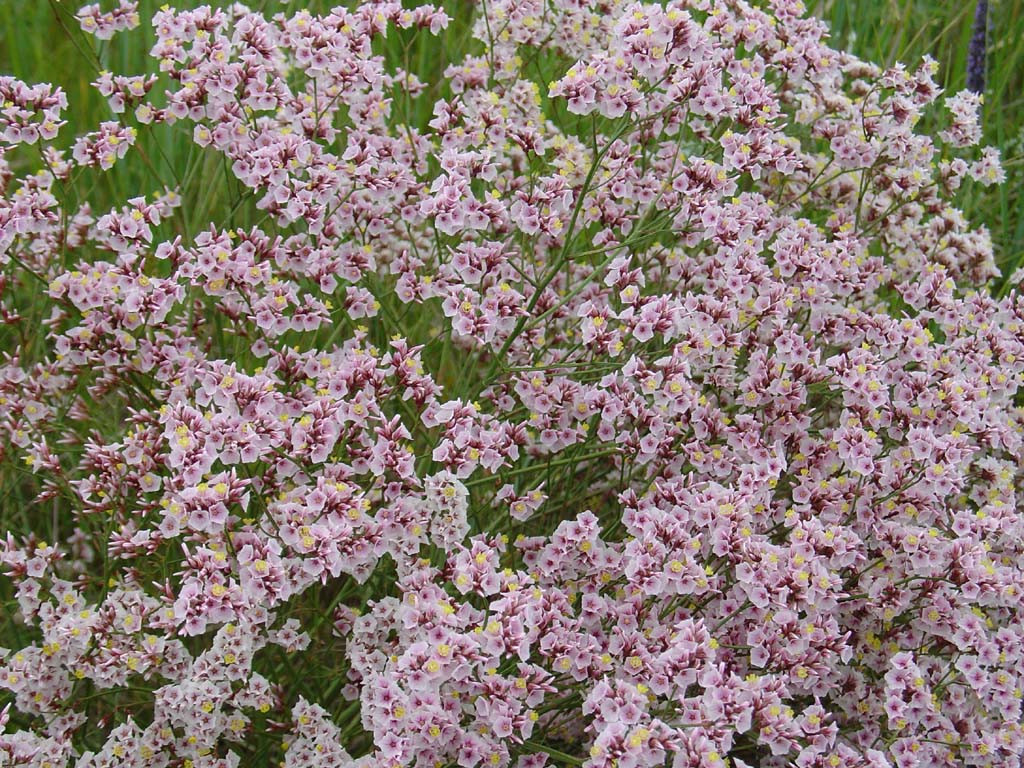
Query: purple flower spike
point(976, 50)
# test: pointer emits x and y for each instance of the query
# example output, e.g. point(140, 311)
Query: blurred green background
point(40, 41)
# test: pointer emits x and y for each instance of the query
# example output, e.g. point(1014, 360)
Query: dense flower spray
point(630, 396)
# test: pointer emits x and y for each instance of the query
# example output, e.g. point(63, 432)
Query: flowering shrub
point(642, 404)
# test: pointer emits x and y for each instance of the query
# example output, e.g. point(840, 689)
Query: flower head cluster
point(104, 26)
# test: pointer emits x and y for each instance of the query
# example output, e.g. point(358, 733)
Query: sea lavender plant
point(629, 396)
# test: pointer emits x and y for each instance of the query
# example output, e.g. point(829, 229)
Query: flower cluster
point(104, 26)
point(623, 390)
